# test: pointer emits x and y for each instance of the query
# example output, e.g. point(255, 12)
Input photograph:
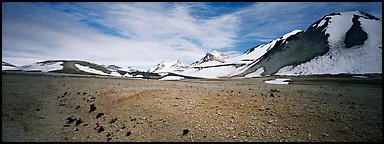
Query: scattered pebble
point(128, 133)
point(70, 120)
point(185, 131)
point(99, 115)
point(93, 108)
point(101, 129)
point(112, 121)
point(78, 122)
point(274, 90)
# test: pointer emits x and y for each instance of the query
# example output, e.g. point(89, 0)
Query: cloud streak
point(152, 32)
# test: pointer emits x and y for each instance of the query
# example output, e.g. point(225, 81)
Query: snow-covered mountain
point(7, 66)
point(347, 42)
point(42, 66)
point(211, 56)
point(121, 71)
point(235, 65)
point(70, 67)
point(82, 67)
point(168, 66)
point(66, 66)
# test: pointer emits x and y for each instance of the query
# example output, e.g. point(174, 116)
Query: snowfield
point(172, 78)
point(115, 74)
point(90, 70)
point(212, 72)
point(257, 73)
point(360, 76)
point(278, 81)
point(8, 68)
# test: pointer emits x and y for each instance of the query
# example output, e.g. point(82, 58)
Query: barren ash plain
point(56, 107)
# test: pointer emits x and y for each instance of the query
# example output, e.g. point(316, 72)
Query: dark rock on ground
point(92, 108)
point(71, 120)
point(78, 122)
point(185, 131)
point(99, 115)
point(101, 129)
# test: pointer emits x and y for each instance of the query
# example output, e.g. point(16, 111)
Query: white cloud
point(172, 24)
point(155, 32)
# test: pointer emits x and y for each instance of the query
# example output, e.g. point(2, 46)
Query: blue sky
point(143, 34)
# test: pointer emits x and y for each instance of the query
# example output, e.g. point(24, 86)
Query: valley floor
point(66, 108)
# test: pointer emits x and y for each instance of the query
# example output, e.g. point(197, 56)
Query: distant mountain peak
point(211, 56)
point(168, 66)
point(114, 67)
point(7, 64)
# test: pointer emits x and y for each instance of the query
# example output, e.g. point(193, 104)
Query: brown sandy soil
point(57, 108)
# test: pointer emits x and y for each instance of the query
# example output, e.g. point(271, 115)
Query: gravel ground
point(67, 108)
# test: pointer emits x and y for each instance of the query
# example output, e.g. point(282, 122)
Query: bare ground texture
point(75, 108)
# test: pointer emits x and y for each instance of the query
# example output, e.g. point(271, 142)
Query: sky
point(142, 34)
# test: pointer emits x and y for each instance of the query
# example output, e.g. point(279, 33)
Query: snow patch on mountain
point(172, 78)
point(277, 81)
point(114, 73)
point(90, 70)
point(338, 25)
point(43, 67)
point(127, 75)
point(211, 72)
point(257, 73)
point(352, 61)
point(8, 68)
point(168, 66)
point(360, 77)
point(294, 32)
point(211, 56)
point(322, 22)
